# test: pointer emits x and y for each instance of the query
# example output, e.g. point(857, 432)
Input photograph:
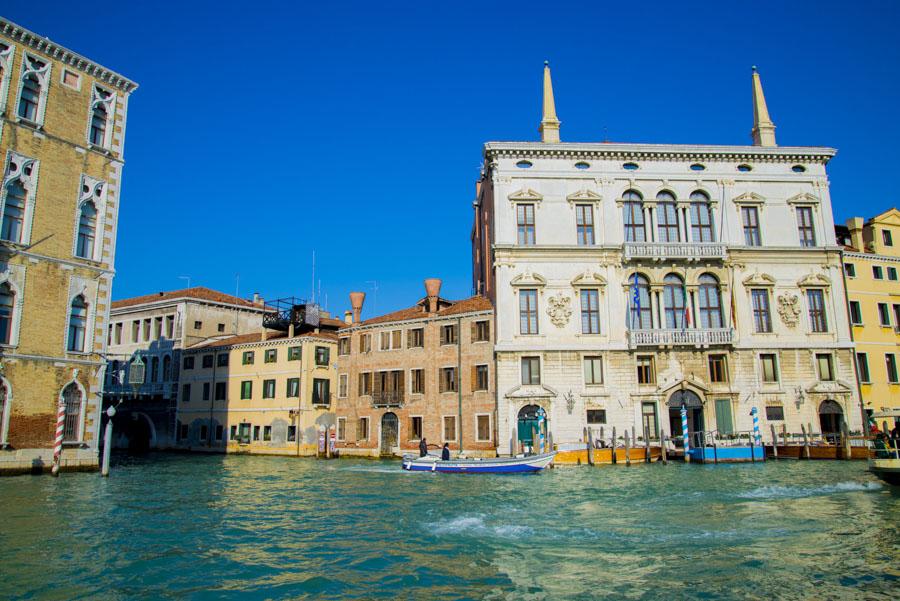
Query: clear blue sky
point(264, 130)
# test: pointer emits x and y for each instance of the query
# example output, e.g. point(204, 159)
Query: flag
point(686, 322)
point(635, 301)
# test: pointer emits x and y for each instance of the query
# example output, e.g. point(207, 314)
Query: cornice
point(165, 303)
point(403, 322)
point(871, 257)
point(684, 152)
point(52, 49)
point(260, 344)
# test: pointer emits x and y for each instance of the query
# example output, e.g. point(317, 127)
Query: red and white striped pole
point(57, 444)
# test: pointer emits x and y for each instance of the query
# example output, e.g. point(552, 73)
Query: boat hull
point(513, 465)
point(886, 469)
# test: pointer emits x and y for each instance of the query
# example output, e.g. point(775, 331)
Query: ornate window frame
point(110, 103)
point(7, 61)
point(83, 413)
point(44, 78)
point(14, 275)
point(86, 287)
point(29, 181)
point(91, 190)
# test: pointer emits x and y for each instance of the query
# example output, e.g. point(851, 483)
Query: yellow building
point(62, 134)
point(871, 267)
point(268, 392)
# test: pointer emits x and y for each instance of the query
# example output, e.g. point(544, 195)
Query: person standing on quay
point(423, 448)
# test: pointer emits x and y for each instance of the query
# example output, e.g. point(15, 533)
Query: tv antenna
point(186, 277)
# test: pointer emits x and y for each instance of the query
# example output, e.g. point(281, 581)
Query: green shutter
point(724, 423)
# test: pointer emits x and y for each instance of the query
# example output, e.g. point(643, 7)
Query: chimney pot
point(348, 317)
point(256, 297)
point(356, 303)
point(432, 293)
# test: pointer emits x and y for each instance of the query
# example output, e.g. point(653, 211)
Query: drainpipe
point(459, 377)
point(862, 407)
point(212, 400)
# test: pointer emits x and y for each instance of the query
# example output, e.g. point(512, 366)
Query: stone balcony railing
point(684, 251)
point(686, 337)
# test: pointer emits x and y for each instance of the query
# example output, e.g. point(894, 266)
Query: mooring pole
point(662, 447)
point(614, 444)
point(627, 448)
point(774, 442)
point(107, 441)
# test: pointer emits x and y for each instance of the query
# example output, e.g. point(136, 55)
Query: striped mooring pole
point(57, 443)
point(684, 430)
point(756, 435)
point(541, 430)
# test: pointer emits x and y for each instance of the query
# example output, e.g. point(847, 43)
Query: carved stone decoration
point(558, 309)
point(789, 309)
point(570, 402)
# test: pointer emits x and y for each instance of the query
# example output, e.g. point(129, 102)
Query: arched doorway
point(390, 433)
point(831, 416)
point(528, 424)
point(694, 405)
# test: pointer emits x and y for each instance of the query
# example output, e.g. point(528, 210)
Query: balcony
point(387, 398)
point(689, 337)
point(682, 251)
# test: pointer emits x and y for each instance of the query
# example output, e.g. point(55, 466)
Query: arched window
point(72, 400)
point(167, 368)
point(31, 95)
point(7, 302)
point(87, 231)
point(710, 302)
point(701, 218)
point(639, 301)
point(13, 212)
point(667, 217)
point(99, 118)
point(675, 301)
point(154, 369)
point(77, 324)
point(634, 216)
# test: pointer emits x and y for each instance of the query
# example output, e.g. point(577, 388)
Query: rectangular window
point(855, 313)
point(649, 420)
point(267, 433)
point(775, 414)
point(762, 317)
point(341, 433)
point(220, 391)
point(590, 312)
point(596, 416)
point(892, 274)
point(645, 372)
point(343, 385)
point(418, 381)
point(805, 226)
point(365, 343)
point(449, 430)
point(718, 369)
point(896, 318)
point(256, 433)
point(483, 428)
point(448, 334)
point(724, 421)
point(525, 222)
point(593, 370)
point(322, 355)
point(362, 429)
point(246, 390)
point(268, 389)
point(884, 315)
point(385, 344)
point(170, 327)
point(293, 388)
point(862, 366)
point(397, 339)
point(481, 331)
point(135, 331)
point(204, 432)
point(817, 319)
point(877, 272)
point(890, 362)
point(271, 355)
point(198, 325)
point(247, 358)
point(220, 327)
point(769, 365)
point(188, 363)
point(146, 329)
point(448, 379)
point(220, 431)
point(321, 391)
point(183, 432)
point(531, 370)
point(528, 312)
point(481, 377)
point(365, 384)
point(850, 270)
point(825, 366)
point(415, 428)
point(206, 391)
point(292, 434)
point(415, 338)
point(887, 238)
point(118, 338)
point(186, 393)
point(344, 346)
point(157, 328)
point(584, 219)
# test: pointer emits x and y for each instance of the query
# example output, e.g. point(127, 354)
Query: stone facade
point(155, 328)
point(731, 253)
point(62, 134)
point(427, 370)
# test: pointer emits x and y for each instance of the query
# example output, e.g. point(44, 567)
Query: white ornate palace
point(629, 279)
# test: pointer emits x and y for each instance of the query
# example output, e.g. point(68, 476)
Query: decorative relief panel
point(559, 310)
point(789, 309)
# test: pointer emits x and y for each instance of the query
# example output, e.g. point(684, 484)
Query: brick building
point(62, 134)
point(427, 370)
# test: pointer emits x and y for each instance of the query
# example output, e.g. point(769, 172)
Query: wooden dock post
point(662, 447)
point(805, 454)
point(784, 434)
point(646, 447)
point(534, 439)
point(774, 442)
point(845, 438)
point(627, 448)
point(328, 442)
point(590, 449)
point(614, 445)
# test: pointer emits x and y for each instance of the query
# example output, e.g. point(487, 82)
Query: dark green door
point(724, 421)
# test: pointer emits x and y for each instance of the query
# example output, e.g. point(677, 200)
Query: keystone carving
point(558, 309)
point(789, 309)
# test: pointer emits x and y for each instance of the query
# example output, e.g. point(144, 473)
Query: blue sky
point(264, 131)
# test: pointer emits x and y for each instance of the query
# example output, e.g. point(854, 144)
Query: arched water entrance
point(390, 433)
point(528, 424)
point(694, 406)
point(831, 416)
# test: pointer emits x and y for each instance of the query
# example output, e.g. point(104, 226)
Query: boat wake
point(796, 492)
point(475, 525)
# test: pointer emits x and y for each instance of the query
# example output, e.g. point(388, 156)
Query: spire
point(763, 132)
point(549, 123)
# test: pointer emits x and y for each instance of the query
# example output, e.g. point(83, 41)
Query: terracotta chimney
point(855, 225)
point(432, 292)
point(256, 298)
point(348, 317)
point(356, 302)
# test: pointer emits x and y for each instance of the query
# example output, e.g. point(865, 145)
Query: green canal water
point(196, 527)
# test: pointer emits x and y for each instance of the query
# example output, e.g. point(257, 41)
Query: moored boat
point(497, 465)
point(884, 461)
point(886, 469)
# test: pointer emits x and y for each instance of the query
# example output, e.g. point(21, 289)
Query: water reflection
point(268, 527)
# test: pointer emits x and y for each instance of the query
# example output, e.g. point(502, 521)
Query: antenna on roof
point(312, 292)
point(186, 277)
point(374, 295)
point(237, 285)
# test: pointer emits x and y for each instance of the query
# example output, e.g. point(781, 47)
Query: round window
point(630, 166)
point(523, 164)
point(582, 165)
point(798, 169)
point(698, 167)
point(744, 168)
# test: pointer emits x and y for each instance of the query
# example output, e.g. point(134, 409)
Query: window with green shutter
point(724, 423)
